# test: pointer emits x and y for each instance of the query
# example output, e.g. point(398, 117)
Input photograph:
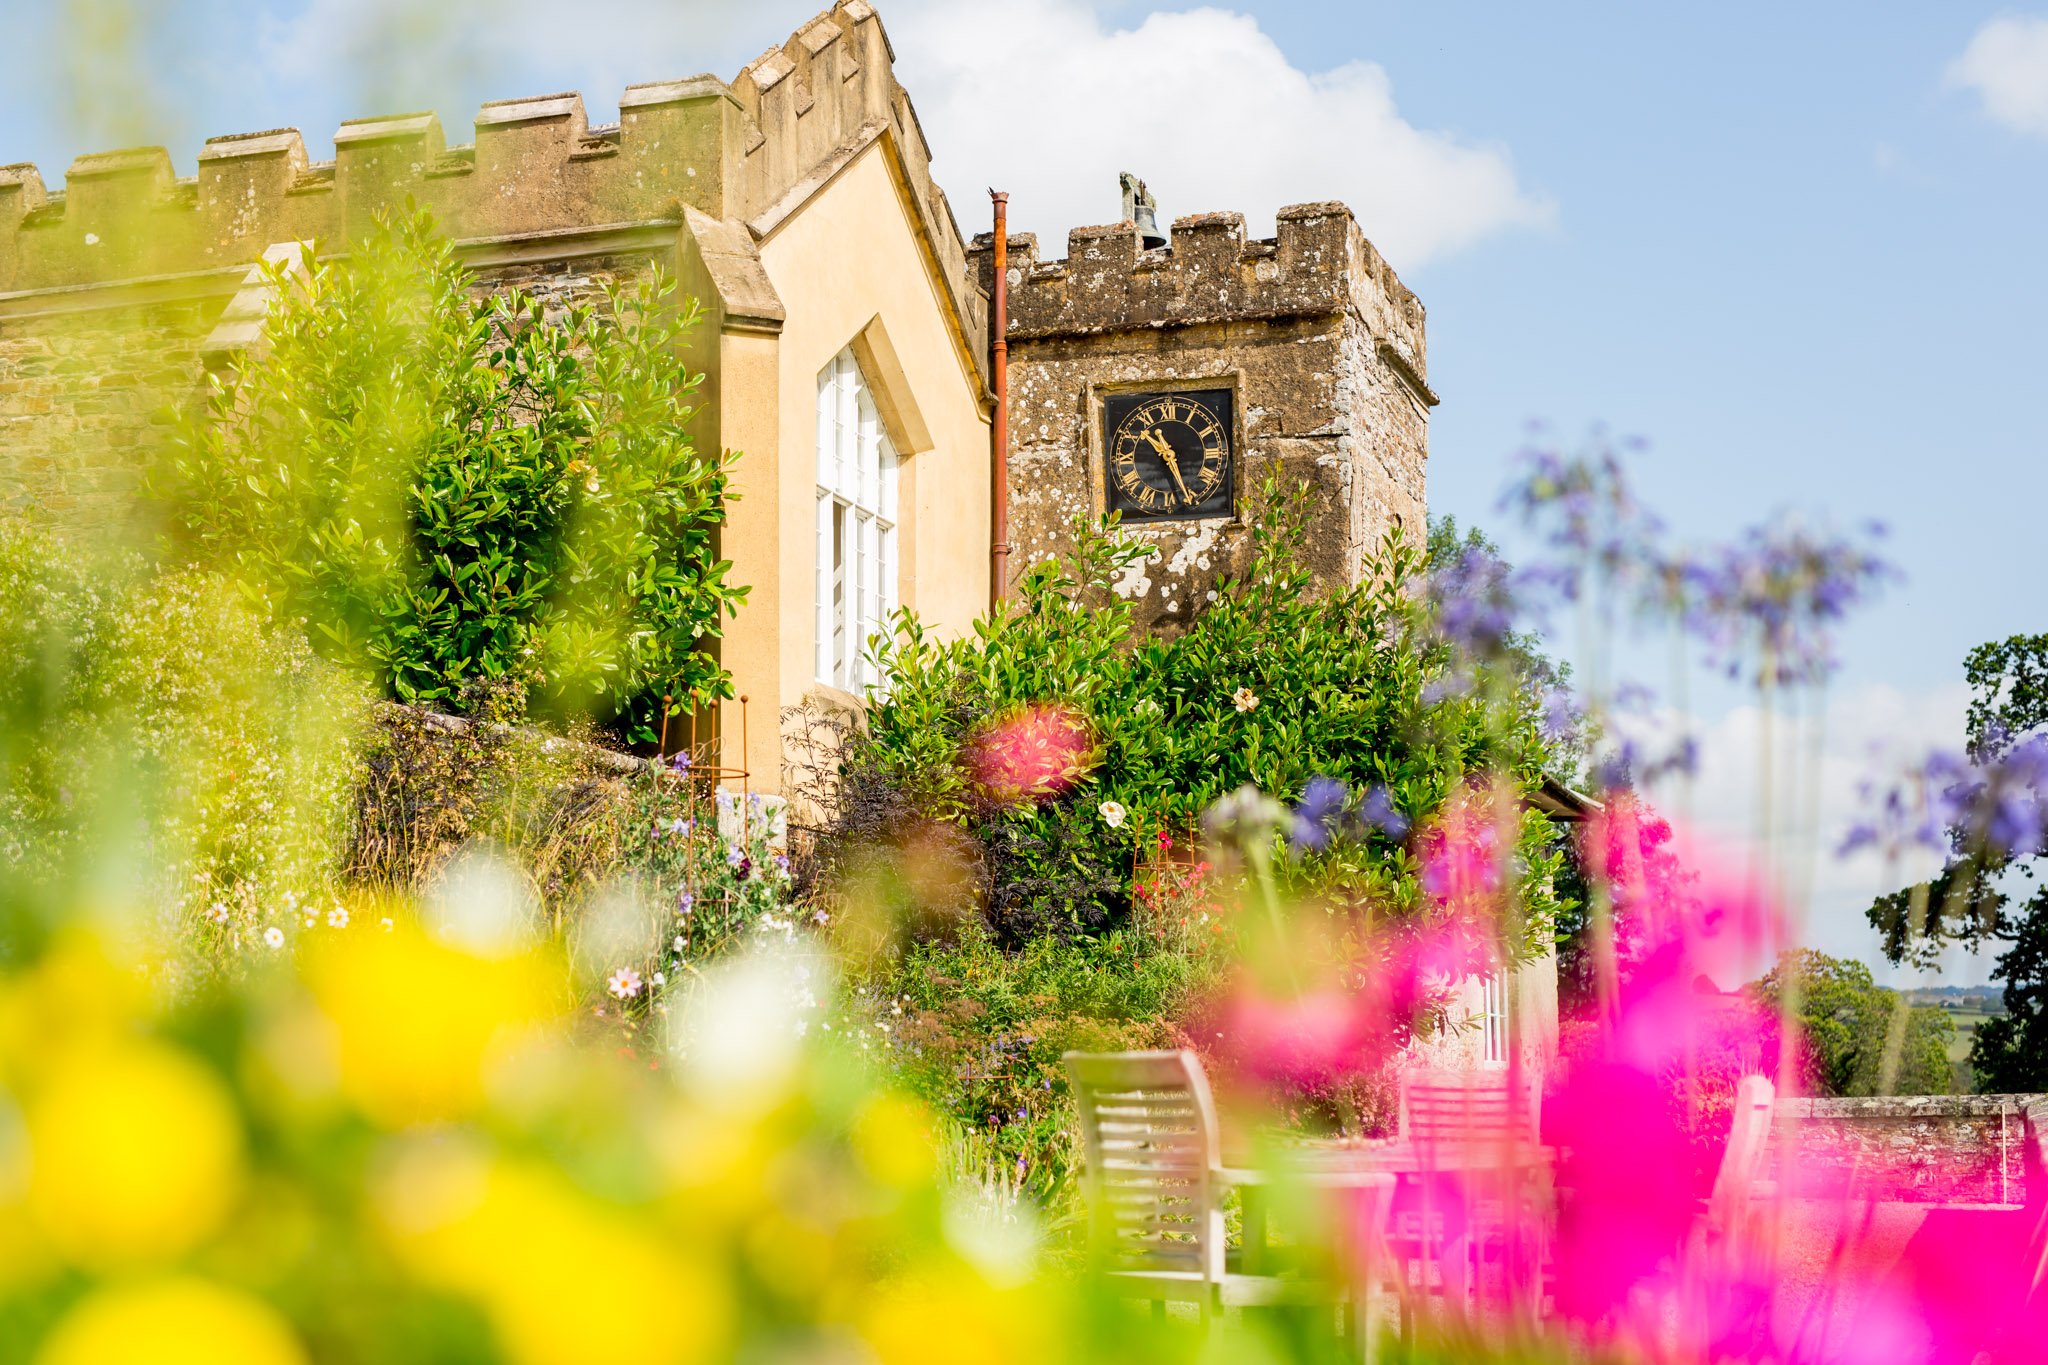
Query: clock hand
point(1165, 449)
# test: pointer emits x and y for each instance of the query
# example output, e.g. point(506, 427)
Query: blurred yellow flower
point(417, 1023)
point(948, 1315)
point(135, 1155)
point(563, 1278)
point(893, 1139)
point(182, 1321)
point(75, 997)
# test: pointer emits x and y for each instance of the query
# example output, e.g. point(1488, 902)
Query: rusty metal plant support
point(999, 420)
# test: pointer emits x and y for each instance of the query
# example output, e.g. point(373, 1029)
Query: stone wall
point(90, 385)
point(1933, 1149)
point(1322, 346)
point(85, 397)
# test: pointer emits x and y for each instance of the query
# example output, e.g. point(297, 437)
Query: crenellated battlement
point(1318, 263)
point(535, 166)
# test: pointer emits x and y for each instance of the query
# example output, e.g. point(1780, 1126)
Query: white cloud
point(1815, 797)
point(2006, 63)
point(1041, 98)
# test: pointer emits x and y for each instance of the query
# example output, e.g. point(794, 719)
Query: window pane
point(822, 581)
point(841, 657)
point(849, 428)
point(888, 463)
point(828, 411)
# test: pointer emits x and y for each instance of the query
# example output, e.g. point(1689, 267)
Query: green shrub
point(1273, 683)
point(453, 489)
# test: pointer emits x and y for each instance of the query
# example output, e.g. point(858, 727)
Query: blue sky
point(1798, 248)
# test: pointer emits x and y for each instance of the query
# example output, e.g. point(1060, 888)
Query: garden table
point(1448, 1179)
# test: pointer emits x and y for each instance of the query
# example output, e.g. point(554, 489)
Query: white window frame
point(856, 527)
point(1493, 1018)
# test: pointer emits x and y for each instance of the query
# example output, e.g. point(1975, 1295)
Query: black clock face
point(1169, 456)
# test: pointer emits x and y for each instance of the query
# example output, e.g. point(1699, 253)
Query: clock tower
point(1167, 383)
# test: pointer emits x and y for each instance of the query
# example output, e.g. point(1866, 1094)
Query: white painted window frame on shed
point(856, 526)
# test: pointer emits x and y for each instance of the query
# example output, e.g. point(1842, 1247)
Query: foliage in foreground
point(453, 489)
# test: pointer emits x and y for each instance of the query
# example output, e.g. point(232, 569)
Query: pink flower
point(1031, 753)
point(625, 983)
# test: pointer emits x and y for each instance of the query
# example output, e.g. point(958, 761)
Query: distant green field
point(1966, 1019)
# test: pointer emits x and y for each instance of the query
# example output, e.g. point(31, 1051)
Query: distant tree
point(1986, 894)
point(1846, 1018)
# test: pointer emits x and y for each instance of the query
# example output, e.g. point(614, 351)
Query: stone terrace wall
point(1933, 1149)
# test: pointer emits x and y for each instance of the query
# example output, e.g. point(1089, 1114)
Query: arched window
point(856, 526)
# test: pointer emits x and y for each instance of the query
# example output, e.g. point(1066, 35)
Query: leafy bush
point(454, 489)
point(1048, 775)
point(978, 1030)
point(1273, 684)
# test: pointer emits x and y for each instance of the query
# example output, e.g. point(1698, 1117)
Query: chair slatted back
point(1466, 1109)
point(1743, 1160)
point(1148, 1125)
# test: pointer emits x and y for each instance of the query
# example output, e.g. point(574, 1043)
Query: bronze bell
point(1139, 209)
point(1149, 235)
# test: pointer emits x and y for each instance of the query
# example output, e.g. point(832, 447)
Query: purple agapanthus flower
point(1377, 810)
point(1585, 510)
point(1770, 602)
point(1472, 602)
point(1996, 803)
point(1317, 814)
point(1562, 714)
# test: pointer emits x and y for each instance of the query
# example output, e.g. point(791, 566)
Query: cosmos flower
point(625, 983)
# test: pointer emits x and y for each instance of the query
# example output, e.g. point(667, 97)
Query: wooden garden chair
point(1726, 1233)
point(1155, 1183)
point(1468, 1149)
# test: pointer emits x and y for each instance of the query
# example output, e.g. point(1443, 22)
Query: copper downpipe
point(999, 422)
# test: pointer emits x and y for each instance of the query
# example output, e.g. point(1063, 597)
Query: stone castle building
point(845, 343)
point(845, 347)
point(1312, 349)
